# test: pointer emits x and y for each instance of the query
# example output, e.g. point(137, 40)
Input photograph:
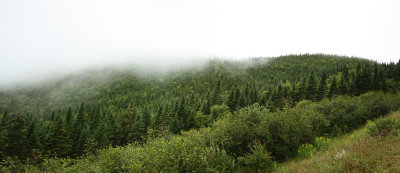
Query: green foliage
point(382, 127)
point(306, 150)
point(186, 153)
point(322, 143)
point(258, 160)
point(218, 110)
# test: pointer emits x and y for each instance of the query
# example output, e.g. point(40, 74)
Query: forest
point(228, 116)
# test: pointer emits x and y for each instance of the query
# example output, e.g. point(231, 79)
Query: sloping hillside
point(354, 152)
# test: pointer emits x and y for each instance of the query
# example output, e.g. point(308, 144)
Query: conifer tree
point(79, 125)
point(333, 88)
point(16, 137)
point(127, 122)
point(165, 117)
point(322, 86)
point(5, 122)
point(146, 119)
point(382, 81)
point(216, 99)
point(311, 90)
point(103, 133)
point(376, 81)
point(32, 138)
point(239, 100)
point(156, 121)
point(232, 102)
point(68, 117)
point(242, 101)
point(342, 88)
point(206, 107)
point(61, 143)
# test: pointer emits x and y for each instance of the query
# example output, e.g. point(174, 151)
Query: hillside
point(354, 152)
point(223, 111)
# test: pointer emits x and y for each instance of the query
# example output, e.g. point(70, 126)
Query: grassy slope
point(354, 152)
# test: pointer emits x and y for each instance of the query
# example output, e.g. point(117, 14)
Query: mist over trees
point(81, 114)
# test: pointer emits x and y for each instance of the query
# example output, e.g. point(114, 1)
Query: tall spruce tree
point(322, 86)
point(333, 88)
point(16, 137)
point(311, 90)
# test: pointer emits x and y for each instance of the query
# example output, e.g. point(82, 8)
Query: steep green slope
point(354, 152)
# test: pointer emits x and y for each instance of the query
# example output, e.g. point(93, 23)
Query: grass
point(353, 152)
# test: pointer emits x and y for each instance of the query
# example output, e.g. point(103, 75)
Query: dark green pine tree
point(253, 96)
point(277, 98)
point(181, 111)
point(299, 91)
point(115, 129)
point(68, 117)
point(32, 137)
point(216, 99)
point(353, 90)
point(138, 130)
point(382, 80)
point(95, 119)
point(333, 88)
point(232, 101)
point(246, 94)
point(396, 74)
point(322, 86)
point(176, 124)
point(79, 125)
point(239, 100)
point(156, 121)
point(83, 141)
point(342, 88)
point(126, 124)
point(16, 137)
point(242, 101)
point(5, 122)
point(146, 118)
point(103, 133)
point(264, 98)
point(165, 117)
point(61, 143)
point(311, 90)
point(206, 107)
point(365, 80)
point(376, 80)
point(189, 122)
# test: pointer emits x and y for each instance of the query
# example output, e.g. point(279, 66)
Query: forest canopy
point(231, 114)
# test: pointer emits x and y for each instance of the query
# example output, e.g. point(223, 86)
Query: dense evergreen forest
point(226, 116)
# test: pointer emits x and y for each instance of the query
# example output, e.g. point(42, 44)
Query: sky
point(42, 37)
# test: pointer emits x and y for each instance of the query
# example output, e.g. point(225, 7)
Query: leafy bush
point(382, 127)
point(258, 159)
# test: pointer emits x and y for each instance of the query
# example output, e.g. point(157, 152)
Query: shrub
point(382, 127)
point(258, 159)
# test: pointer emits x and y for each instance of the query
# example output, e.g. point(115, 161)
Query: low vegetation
point(363, 150)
